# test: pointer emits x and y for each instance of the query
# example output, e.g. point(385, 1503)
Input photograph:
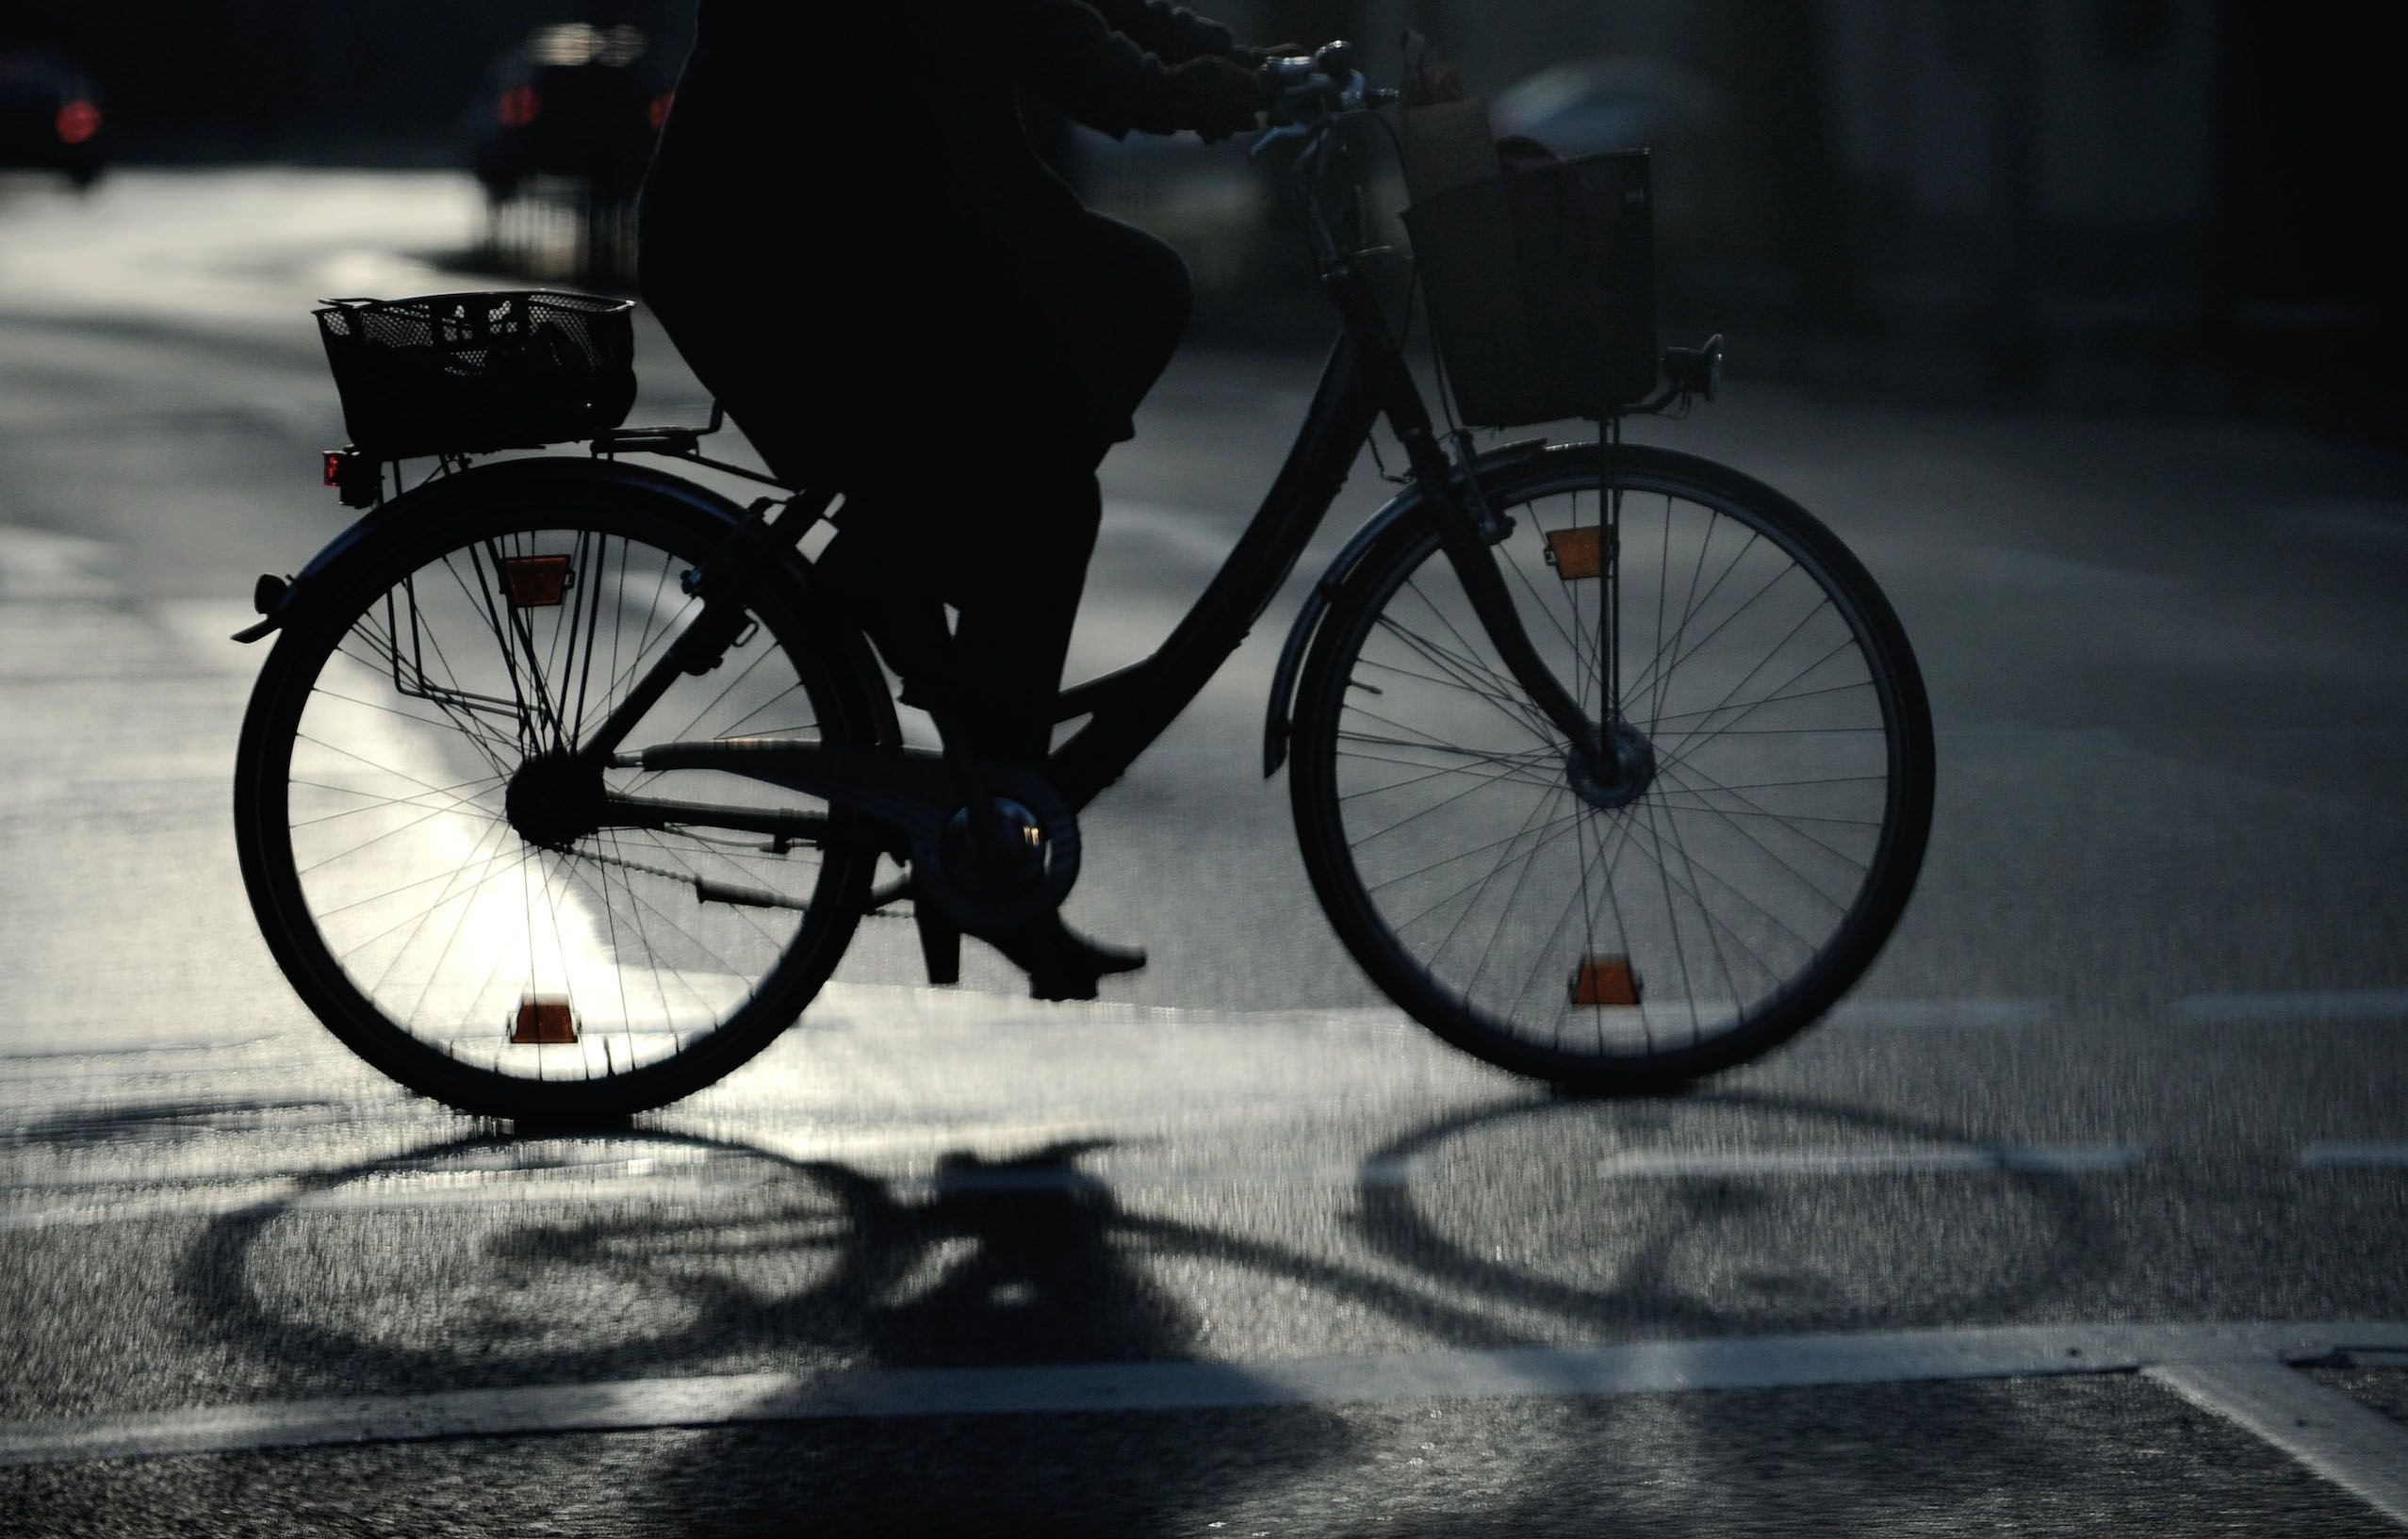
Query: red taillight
point(658, 113)
point(519, 106)
point(77, 122)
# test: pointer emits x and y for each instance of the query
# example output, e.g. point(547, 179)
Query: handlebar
point(1302, 93)
point(1310, 75)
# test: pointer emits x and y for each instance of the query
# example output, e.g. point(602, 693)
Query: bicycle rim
point(1597, 937)
point(479, 957)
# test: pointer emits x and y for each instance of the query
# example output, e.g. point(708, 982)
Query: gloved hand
point(1215, 97)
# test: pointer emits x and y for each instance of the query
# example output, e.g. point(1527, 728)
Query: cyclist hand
point(1215, 97)
point(1263, 54)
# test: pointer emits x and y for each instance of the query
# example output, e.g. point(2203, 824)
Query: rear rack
point(677, 443)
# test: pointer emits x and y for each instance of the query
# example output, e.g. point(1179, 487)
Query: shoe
point(1060, 962)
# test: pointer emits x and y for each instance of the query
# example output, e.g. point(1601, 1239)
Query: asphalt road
point(2019, 1240)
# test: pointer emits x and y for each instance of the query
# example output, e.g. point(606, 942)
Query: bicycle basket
point(467, 373)
point(1541, 286)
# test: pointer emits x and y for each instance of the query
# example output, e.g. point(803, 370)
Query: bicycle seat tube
point(748, 548)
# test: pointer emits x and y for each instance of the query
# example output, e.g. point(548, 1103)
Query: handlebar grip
point(1327, 66)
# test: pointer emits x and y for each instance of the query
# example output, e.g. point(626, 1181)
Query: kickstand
point(939, 944)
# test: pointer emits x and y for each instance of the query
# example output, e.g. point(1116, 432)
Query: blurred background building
point(2156, 203)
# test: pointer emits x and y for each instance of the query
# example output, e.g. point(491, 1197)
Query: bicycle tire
point(1705, 973)
point(427, 929)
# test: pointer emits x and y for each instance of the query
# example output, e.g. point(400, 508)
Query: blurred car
point(573, 100)
point(50, 117)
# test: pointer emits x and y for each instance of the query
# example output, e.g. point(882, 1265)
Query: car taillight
point(658, 113)
point(519, 106)
point(77, 122)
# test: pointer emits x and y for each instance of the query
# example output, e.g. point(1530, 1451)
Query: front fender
point(1507, 460)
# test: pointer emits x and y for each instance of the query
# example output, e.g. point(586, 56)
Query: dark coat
point(848, 235)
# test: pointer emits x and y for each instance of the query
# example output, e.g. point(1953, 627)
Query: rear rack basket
point(471, 373)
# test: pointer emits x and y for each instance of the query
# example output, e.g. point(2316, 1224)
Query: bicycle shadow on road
point(723, 1257)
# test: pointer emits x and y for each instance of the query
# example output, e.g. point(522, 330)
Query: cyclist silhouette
point(848, 234)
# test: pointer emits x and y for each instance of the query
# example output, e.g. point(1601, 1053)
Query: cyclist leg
point(1114, 303)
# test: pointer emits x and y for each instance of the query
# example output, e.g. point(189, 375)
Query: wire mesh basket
point(1541, 286)
point(470, 374)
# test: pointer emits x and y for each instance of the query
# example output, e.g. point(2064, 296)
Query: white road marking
point(2353, 1446)
point(37, 564)
point(1906, 1014)
point(222, 1191)
point(2327, 1005)
point(2354, 1156)
point(1638, 1367)
point(1680, 1164)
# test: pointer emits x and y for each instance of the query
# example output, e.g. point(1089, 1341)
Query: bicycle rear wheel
point(1628, 936)
point(395, 839)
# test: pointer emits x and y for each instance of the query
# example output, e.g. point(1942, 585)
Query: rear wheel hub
point(555, 800)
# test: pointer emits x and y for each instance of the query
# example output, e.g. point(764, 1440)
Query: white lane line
point(1679, 1164)
point(1641, 1368)
point(2339, 1004)
point(227, 1192)
point(2354, 1156)
point(2353, 1446)
point(160, 1047)
point(1909, 1014)
point(37, 564)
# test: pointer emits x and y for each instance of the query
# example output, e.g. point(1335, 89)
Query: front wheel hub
point(1615, 772)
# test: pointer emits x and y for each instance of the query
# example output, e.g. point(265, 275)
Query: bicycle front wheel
point(1705, 907)
point(420, 873)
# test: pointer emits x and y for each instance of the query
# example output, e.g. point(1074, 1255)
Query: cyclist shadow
point(986, 1263)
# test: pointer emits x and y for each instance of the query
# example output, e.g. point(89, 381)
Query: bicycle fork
point(1611, 762)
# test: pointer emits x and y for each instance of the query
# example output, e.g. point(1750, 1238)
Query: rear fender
point(559, 475)
point(556, 475)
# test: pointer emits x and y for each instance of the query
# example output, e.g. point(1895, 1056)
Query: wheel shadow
point(746, 1259)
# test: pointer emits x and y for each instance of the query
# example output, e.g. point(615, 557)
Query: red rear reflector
point(77, 122)
point(334, 462)
point(519, 106)
point(1576, 553)
point(658, 113)
point(544, 1019)
point(1605, 980)
point(535, 582)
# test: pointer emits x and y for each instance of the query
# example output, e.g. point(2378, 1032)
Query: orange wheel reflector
point(1605, 980)
point(544, 1019)
point(1576, 554)
point(535, 582)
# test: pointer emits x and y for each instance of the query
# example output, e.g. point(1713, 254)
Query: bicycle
point(1612, 765)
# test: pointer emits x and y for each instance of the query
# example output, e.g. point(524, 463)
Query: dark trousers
point(989, 502)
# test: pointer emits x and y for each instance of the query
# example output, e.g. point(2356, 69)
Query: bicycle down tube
point(1366, 377)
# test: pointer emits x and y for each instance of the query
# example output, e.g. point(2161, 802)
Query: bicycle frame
point(1365, 377)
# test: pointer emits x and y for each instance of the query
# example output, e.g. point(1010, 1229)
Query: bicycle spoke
point(1684, 904)
point(442, 905)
